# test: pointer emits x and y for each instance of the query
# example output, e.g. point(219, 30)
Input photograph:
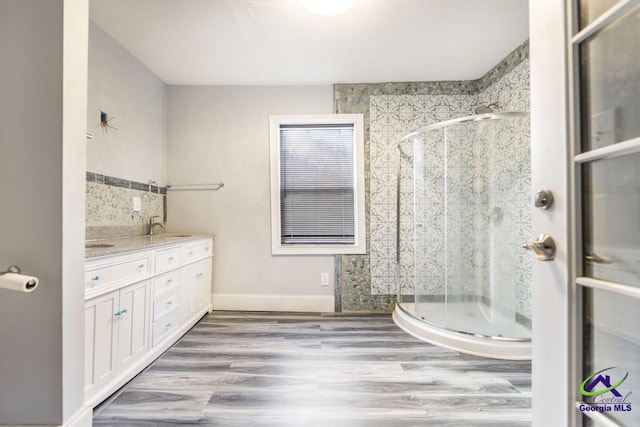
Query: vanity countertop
point(101, 247)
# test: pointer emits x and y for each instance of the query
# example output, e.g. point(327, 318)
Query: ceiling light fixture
point(328, 7)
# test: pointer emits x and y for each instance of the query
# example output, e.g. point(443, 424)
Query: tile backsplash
point(109, 207)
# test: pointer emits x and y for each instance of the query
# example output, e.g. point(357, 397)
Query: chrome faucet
point(152, 225)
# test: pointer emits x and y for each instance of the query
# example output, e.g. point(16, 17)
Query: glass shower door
point(487, 219)
point(470, 213)
point(424, 202)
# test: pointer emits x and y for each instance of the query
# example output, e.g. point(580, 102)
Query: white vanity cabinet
point(100, 336)
point(200, 282)
point(137, 305)
point(198, 278)
point(166, 312)
point(132, 319)
point(116, 332)
point(115, 271)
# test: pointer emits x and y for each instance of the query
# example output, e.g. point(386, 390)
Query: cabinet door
point(100, 340)
point(199, 282)
point(133, 323)
point(185, 285)
point(193, 273)
point(204, 282)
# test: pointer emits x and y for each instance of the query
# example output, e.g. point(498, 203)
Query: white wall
point(42, 164)
point(222, 134)
point(136, 100)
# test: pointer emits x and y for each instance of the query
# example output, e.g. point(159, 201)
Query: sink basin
point(97, 245)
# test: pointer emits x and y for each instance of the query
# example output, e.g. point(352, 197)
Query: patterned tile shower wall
point(393, 109)
point(392, 116)
point(487, 193)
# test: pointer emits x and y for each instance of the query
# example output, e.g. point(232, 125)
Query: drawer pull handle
point(169, 304)
point(123, 312)
point(199, 275)
point(167, 326)
point(170, 260)
point(206, 249)
point(95, 279)
point(190, 253)
point(141, 267)
point(170, 281)
point(118, 314)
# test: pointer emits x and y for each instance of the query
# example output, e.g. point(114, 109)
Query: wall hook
point(13, 269)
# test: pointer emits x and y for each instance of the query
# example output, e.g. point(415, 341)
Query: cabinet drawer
point(165, 304)
point(119, 271)
point(164, 327)
point(167, 259)
point(198, 250)
point(165, 283)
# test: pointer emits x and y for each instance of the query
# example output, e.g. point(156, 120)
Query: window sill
point(319, 250)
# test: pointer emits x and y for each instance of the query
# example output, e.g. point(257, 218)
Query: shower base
point(486, 346)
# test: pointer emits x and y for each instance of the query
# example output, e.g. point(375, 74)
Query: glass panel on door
point(609, 89)
point(608, 209)
point(591, 9)
point(611, 203)
point(611, 340)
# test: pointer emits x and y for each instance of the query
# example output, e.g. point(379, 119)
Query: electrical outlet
point(324, 279)
point(137, 204)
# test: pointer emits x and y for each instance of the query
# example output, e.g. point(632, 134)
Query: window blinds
point(317, 184)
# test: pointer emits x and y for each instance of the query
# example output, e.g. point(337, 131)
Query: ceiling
point(278, 42)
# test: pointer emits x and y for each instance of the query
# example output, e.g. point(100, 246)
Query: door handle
point(544, 248)
point(597, 258)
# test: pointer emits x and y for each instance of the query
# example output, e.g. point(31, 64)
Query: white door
point(585, 118)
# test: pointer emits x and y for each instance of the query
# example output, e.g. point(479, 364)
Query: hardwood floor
point(274, 369)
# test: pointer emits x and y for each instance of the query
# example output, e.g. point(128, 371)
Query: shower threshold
point(485, 346)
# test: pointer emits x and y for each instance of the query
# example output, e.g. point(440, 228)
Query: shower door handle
point(544, 248)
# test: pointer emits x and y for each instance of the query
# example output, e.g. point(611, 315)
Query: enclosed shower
point(463, 214)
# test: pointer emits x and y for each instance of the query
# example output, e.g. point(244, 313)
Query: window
point(317, 184)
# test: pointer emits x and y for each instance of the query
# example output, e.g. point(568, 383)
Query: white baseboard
point(82, 418)
point(264, 302)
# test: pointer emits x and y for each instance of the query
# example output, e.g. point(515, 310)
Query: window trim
point(359, 247)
